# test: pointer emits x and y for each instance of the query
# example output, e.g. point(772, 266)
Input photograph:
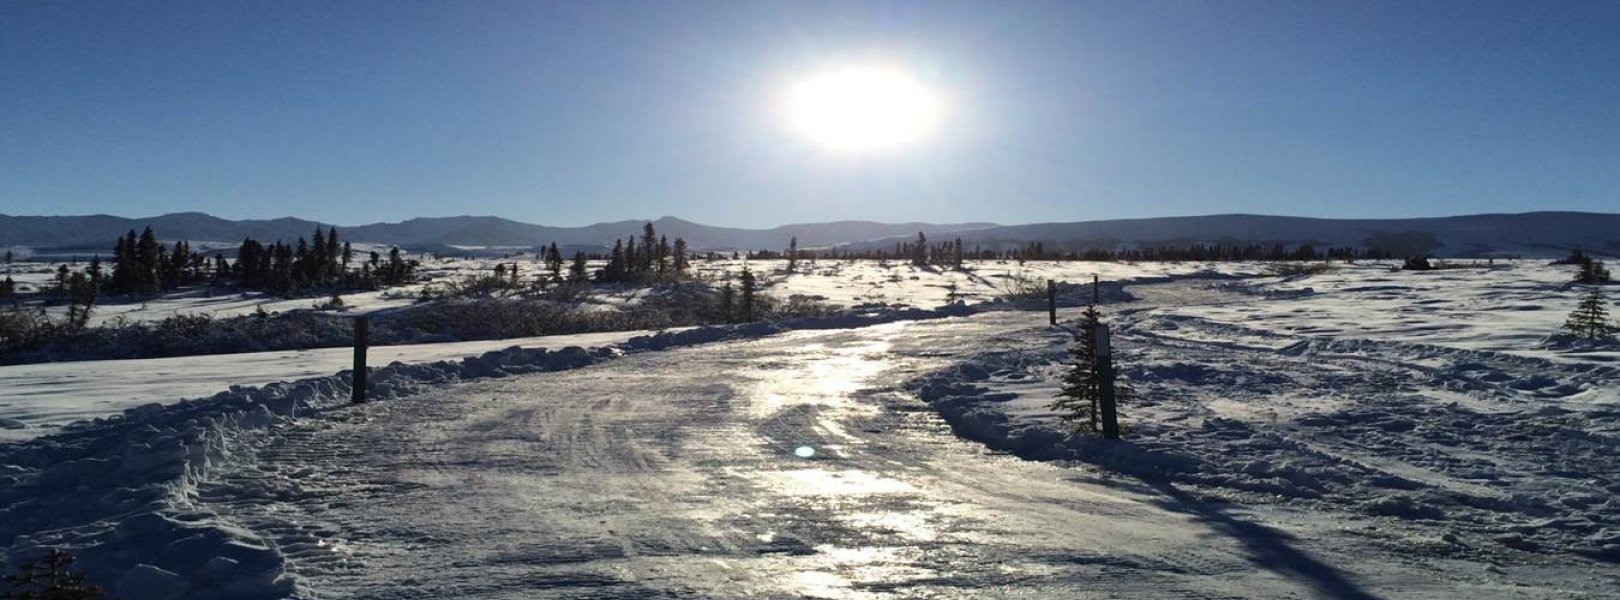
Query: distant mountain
point(99, 232)
point(1526, 234)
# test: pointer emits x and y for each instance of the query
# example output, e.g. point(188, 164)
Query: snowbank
point(116, 491)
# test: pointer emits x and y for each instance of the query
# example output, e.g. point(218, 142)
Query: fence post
point(362, 338)
point(1051, 301)
point(1105, 373)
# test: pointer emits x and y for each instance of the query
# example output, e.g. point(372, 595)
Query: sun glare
point(863, 108)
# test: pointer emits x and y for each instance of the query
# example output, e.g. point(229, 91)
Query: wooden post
point(1105, 372)
point(362, 337)
point(1051, 301)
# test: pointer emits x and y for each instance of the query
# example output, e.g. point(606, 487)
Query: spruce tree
point(1077, 402)
point(793, 253)
point(682, 261)
point(663, 255)
point(576, 271)
point(649, 244)
point(1592, 271)
point(1591, 318)
point(81, 297)
point(334, 272)
point(617, 268)
point(318, 257)
point(748, 289)
point(554, 262)
point(728, 302)
point(148, 255)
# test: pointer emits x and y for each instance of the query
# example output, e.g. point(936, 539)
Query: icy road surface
point(683, 474)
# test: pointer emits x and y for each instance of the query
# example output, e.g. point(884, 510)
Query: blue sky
point(576, 112)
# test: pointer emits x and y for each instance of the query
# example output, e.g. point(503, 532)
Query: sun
point(862, 109)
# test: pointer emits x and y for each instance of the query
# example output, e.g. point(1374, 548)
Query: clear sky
point(575, 112)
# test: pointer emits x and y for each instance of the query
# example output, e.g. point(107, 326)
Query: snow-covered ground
point(848, 283)
point(843, 283)
point(39, 399)
point(1356, 433)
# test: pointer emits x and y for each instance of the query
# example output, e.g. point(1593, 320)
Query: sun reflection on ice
point(821, 482)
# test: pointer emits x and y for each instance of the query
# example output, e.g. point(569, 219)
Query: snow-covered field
point(1354, 433)
point(840, 282)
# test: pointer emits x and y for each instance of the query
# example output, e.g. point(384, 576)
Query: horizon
point(802, 223)
point(1037, 112)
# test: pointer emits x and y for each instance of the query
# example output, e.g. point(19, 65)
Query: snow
point(1350, 433)
point(38, 399)
point(1487, 444)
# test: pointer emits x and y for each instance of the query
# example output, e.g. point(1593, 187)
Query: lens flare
point(863, 109)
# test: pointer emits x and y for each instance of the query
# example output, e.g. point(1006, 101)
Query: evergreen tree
point(576, 271)
point(1077, 401)
point(333, 270)
point(663, 255)
point(316, 271)
point(148, 254)
point(629, 263)
point(81, 297)
point(554, 262)
point(728, 301)
point(1591, 318)
point(748, 290)
point(793, 253)
point(8, 290)
point(94, 271)
point(1592, 271)
point(124, 279)
point(302, 265)
point(281, 268)
point(649, 241)
point(919, 252)
point(682, 261)
point(618, 263)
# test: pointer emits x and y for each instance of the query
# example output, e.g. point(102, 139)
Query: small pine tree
point(1076, 402)
point(1591, 318)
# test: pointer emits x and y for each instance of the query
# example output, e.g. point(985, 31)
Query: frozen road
point(679, 474)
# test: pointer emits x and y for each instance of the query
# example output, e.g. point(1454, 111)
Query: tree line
point(952, 253)
point(143, 266)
